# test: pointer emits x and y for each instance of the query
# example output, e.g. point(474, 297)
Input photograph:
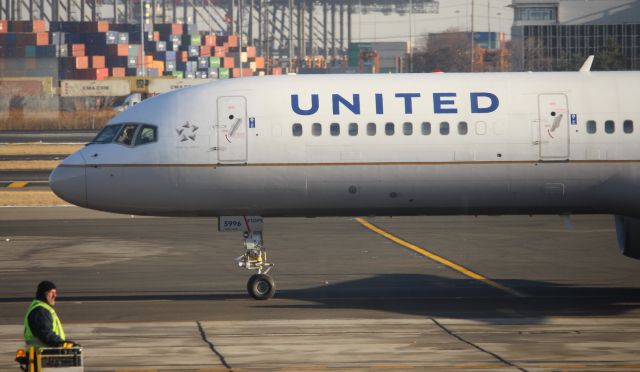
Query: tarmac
point(165, 293)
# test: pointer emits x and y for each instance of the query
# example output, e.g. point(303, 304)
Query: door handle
point(235, 127)
point(556, 122)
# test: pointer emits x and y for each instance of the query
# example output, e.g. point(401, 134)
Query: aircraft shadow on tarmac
point(427, 295)
point(422, 295)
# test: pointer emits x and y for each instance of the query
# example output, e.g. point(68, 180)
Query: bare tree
point(448, 52)
point(610, 57)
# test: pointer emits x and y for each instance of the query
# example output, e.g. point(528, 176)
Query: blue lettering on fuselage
point(353, 106)
point(408, 106)
point(475, 105)
point(439, 101)
point(295, 105)
point(443, 103)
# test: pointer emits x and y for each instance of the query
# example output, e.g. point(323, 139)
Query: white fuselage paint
point(530, 154)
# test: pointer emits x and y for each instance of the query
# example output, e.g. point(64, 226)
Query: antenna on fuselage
point(586, 66)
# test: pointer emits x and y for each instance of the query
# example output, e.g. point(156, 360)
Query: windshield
point(107, 134)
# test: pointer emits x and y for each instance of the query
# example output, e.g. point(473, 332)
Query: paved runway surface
point(161, 293)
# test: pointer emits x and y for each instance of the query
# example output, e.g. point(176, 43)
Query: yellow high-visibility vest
point(29, 338)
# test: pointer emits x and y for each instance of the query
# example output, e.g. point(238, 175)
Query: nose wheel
point(260, 285)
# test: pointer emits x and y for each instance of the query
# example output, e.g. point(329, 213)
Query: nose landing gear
point(260, 285)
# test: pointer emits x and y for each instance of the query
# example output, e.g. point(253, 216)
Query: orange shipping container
point(82, 62)
point(209, 40)
point(259, 62)
point(157, 65)
point(118, 72)
point(42, 38)
point(245, 72)
point(220, 51)
point(228, 62)
point(97, 62)
point(233, 40)
point(176, 29)
point(77, 50)
point(251, 52)
point(102, 73)
point(205, 51)
point(120, 50)
point(99, 26)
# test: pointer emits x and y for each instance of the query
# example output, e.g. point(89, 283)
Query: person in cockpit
point(126, 136)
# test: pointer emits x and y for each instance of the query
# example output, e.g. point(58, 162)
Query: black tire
point(261, 287)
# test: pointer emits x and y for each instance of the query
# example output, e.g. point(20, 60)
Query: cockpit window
point(107, 134)
point(147, 134)
point(126, 134)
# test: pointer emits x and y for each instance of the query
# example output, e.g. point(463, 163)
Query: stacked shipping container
point(97, 50)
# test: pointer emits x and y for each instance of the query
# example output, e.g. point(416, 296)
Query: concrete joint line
point(494, 355)
point(212, 347)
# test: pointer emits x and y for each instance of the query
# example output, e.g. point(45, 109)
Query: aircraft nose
point(68, 180)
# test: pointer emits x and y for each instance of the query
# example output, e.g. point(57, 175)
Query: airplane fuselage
point(412, 144)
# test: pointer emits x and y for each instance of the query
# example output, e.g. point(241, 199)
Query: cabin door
point(232, 130)
point(553, 111)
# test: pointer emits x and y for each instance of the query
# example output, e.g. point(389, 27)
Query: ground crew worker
point(42, 327)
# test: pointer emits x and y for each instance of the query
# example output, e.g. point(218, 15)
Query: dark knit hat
point(43, 288)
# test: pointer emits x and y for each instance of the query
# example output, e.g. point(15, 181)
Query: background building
point(559, 35)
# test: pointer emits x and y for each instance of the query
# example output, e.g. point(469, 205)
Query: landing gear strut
point(260, 285)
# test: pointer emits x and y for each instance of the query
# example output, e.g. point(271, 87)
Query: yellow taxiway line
point(438, 259)
point(17, 184)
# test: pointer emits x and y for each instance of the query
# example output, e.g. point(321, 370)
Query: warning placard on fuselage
point(240, 223)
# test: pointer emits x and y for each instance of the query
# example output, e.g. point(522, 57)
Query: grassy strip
point(38, 149)
point(23, 119)
point(29, 198)
point(28, 164)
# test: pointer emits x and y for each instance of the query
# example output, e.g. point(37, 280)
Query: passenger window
point(609, 126)
point(353, 129)
point(334, 129)
point(426, 128)
point(147, 134)
point(371, 129)
point(463, 128)
point(316, 130)
point(389, 129)
point(107, 134)
point(628, 126)
point(125, 137)
point(407, 128)
point(591, 126)
point(296, 129)
point(444, 128)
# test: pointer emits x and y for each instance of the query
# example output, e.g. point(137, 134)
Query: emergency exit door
point(232, 130)
point(554, 127)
